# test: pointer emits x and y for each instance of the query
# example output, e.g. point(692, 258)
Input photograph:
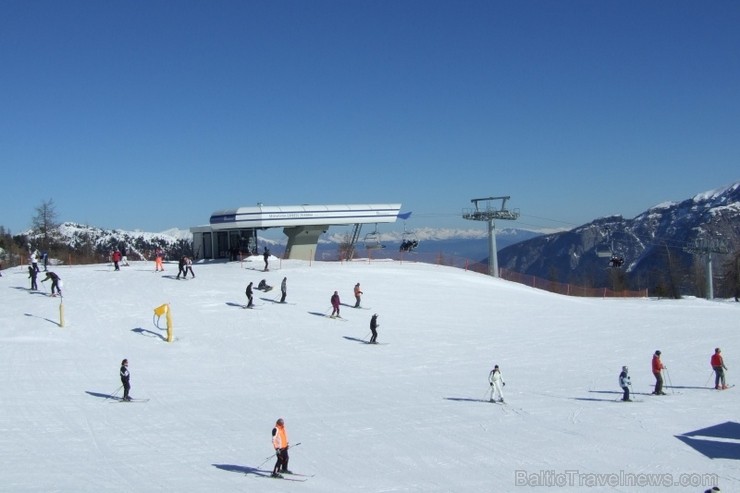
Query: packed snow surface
point(408, 415)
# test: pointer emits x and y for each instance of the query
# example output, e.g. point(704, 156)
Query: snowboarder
point(373, 328)
point(658, 368)
point(125, 380)
point(188, 268)
point(358, 295)
point(496, 381)
point(32, 274)
point(624, 382)
point(55, 280)
point(718, 365)
point(249, 295)
point(266, 257)
point(280, 444)
point(335, 305)
point(283, 289)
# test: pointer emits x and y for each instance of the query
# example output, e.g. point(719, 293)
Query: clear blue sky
point(153, 114)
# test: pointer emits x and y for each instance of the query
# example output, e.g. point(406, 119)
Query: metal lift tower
point(489, 213)
point(706, 247)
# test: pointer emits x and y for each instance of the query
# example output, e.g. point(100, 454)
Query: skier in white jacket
point(496, 380)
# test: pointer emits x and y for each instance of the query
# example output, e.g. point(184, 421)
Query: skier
point(125, 378)
point(35, 260)
point(718, 365)
point(358, 294)
point(266, 257)
point(32, 274)
point(180, 267)
point(45, 259)
point(188, 268)
point(496, 381)
point(249, 295)
point(335, 305)
point(280, 444)
point(624, 382)
point(658, 368)
point(158, 260)
point(373, 328)
point(55, 279)
point(283, 289)
point(124, 258)
point(116, 257)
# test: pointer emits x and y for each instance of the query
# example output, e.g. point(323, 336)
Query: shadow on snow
point(720, 441)
point(243, 469)
point(148, 333)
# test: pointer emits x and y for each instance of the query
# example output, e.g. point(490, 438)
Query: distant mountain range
point(99, 242)
point(664, 248)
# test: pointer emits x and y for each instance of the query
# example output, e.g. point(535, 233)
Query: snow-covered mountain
point(100, 242)
point(657, 246)
point(470, 243)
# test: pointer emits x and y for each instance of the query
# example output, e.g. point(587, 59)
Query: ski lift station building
point(235, 230)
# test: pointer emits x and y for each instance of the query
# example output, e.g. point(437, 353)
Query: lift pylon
point(485, 210)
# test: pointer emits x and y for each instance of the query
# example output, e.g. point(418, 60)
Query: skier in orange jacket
point(280, 444)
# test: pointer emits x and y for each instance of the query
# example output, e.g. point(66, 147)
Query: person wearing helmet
point(283, 289)
point(280, 444)
point(624, 382)
point(718, 365)
point(125, 380)
point(496, 381)
point(658, 368)
point(374, 329)
point(335, 305)
point(358, 295)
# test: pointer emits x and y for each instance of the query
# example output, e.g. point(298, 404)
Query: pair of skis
point(121, 399)
point(292, 476)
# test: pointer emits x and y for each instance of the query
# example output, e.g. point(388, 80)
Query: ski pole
point(711, 372)
point(489, 389)
point(113, 394)
point(265, 461)
point(272, 455)
point(670, 384)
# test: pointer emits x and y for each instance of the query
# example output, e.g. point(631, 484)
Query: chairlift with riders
point(409, 241)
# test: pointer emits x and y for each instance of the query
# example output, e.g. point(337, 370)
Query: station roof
point(262, 216)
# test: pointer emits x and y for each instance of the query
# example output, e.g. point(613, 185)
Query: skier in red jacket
point(658, 368)
point(718, 365)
